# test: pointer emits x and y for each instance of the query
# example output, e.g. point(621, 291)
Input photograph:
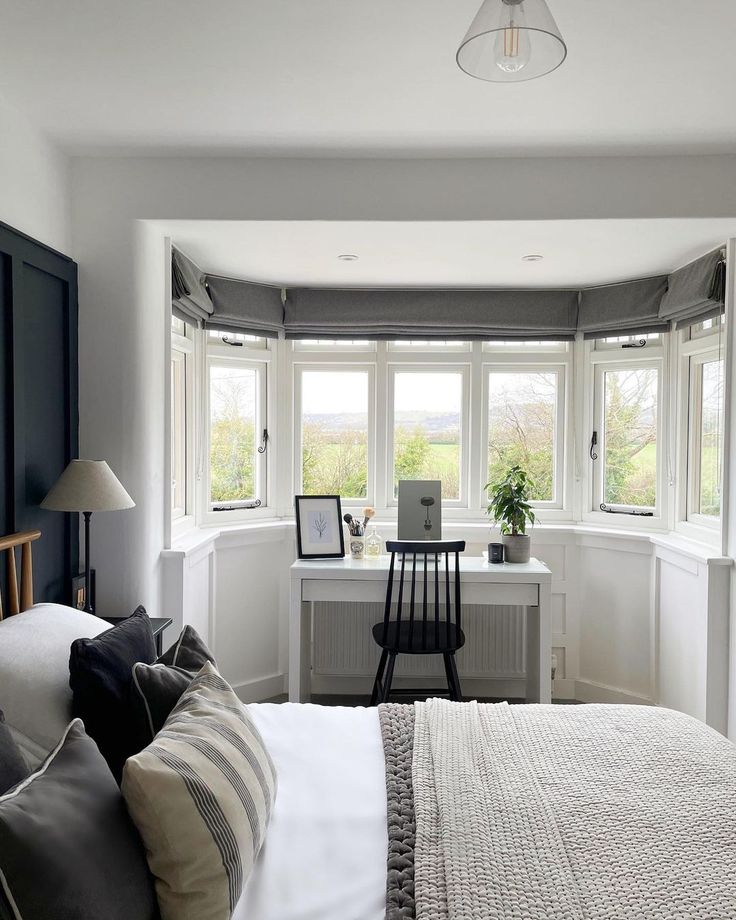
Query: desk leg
point(539, 648)
point(300, 646)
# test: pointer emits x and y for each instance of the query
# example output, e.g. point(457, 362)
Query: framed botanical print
point(319, 527)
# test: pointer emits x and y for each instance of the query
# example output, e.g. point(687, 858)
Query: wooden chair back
point(20, 595)
point(438, 594)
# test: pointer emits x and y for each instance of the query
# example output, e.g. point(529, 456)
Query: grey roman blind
point(240, 306)
point(189, 298)
point(629, 308)
point(419, 314)
point(696, 291)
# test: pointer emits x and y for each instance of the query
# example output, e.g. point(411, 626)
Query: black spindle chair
point(408, 627)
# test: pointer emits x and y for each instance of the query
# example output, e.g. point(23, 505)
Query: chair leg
point(379, 677)
point(448, 674)
point(455, 679)
point(389, 677)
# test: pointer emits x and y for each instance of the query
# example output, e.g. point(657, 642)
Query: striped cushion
point(201, 796)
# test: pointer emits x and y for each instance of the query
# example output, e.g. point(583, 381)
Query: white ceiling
point(373, 78)
point(446, 254)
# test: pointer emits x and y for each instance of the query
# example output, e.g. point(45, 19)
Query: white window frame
point(653, 355)
point(624, 343)
point(321, 365)
point(560, 369)
point(182, 350)
point(260, 359)
point(694, 351)
point(412, 367)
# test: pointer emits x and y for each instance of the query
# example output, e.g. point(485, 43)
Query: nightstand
point(158, 625)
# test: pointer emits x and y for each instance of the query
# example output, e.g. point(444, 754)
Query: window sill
point(207, 539)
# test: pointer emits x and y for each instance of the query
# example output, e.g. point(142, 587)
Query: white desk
point(344, 580)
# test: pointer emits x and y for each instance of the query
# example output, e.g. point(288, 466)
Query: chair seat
point(397, 640)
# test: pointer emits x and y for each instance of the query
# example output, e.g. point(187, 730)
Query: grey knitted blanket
point(397, 730)
point(572, 813)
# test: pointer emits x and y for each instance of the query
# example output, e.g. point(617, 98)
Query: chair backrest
point(20, 597)
point(437, 592)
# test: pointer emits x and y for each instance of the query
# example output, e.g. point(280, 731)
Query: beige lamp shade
point(87, 485)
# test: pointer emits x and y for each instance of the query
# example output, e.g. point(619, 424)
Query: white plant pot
point(518, 547)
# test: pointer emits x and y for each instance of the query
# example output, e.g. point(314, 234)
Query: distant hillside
point(432, 423)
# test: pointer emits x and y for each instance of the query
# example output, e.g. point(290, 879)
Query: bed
point(457, 811)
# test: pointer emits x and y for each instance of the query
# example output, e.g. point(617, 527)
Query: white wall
point(122, 306)
point(614, 577)
point(34, 182)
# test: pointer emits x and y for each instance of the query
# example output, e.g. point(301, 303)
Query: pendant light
point(510, 41)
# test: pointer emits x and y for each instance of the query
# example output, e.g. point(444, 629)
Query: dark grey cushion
point(68, 848)
point(154, 691)
point(13, 767)
point(156, 688)
point(100, 671)
point(188, 652)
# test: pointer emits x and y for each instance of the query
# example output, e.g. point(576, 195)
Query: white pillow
point(34, 673)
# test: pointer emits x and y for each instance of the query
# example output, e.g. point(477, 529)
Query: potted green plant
point(510, 509)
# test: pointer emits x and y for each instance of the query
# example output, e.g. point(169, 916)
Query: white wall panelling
point(637, 618)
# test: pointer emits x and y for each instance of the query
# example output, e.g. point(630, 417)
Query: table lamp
point(87, 486)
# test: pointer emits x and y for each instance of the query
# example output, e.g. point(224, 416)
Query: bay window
point(428, 430)
point(181, 434)
point(525, 427)
point(333, 431)
point(627, 426)
point(237, 401)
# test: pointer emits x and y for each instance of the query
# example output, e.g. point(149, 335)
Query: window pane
point(249, 341)
point(630, 419)
point(178, 434)
point(522, 410)
point(524, 344)
point(335, 433)
point(233, 411)
point(428, 345)
point(427, 422)
point(710, 438)
point(345, 344)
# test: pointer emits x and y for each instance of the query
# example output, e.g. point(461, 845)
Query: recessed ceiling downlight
point(532, 257)
point(348, 257)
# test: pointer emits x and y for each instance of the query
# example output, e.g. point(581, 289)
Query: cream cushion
point(201, 796)
point(34, 673)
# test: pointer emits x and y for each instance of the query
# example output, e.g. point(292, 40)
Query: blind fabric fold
point(696, 291)
point(629, 308)
point(689, 295)
point(240, 306)
point(189, 298)
point(420, 314)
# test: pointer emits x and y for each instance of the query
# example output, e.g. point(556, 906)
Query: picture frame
point(420, 509)
point(319, 533)
point(79, 590)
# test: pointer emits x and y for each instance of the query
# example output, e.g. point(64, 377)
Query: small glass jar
point(373, 544)
point(357, 546)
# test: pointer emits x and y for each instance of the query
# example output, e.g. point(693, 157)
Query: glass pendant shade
point(510, 41)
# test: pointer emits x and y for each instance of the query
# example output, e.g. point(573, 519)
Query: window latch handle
point(264, 442)
point(593, 442)
point(641, 343)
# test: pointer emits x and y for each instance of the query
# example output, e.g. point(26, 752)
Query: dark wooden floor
point(324, 699)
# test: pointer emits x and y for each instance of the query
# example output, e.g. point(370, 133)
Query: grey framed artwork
point(420, 509)
point(319, 527)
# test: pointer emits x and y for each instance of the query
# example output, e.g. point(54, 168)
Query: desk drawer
point(351, 590)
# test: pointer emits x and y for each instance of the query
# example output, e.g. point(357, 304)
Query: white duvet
point(325, 852)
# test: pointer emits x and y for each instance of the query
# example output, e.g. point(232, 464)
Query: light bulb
point(512, 48)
